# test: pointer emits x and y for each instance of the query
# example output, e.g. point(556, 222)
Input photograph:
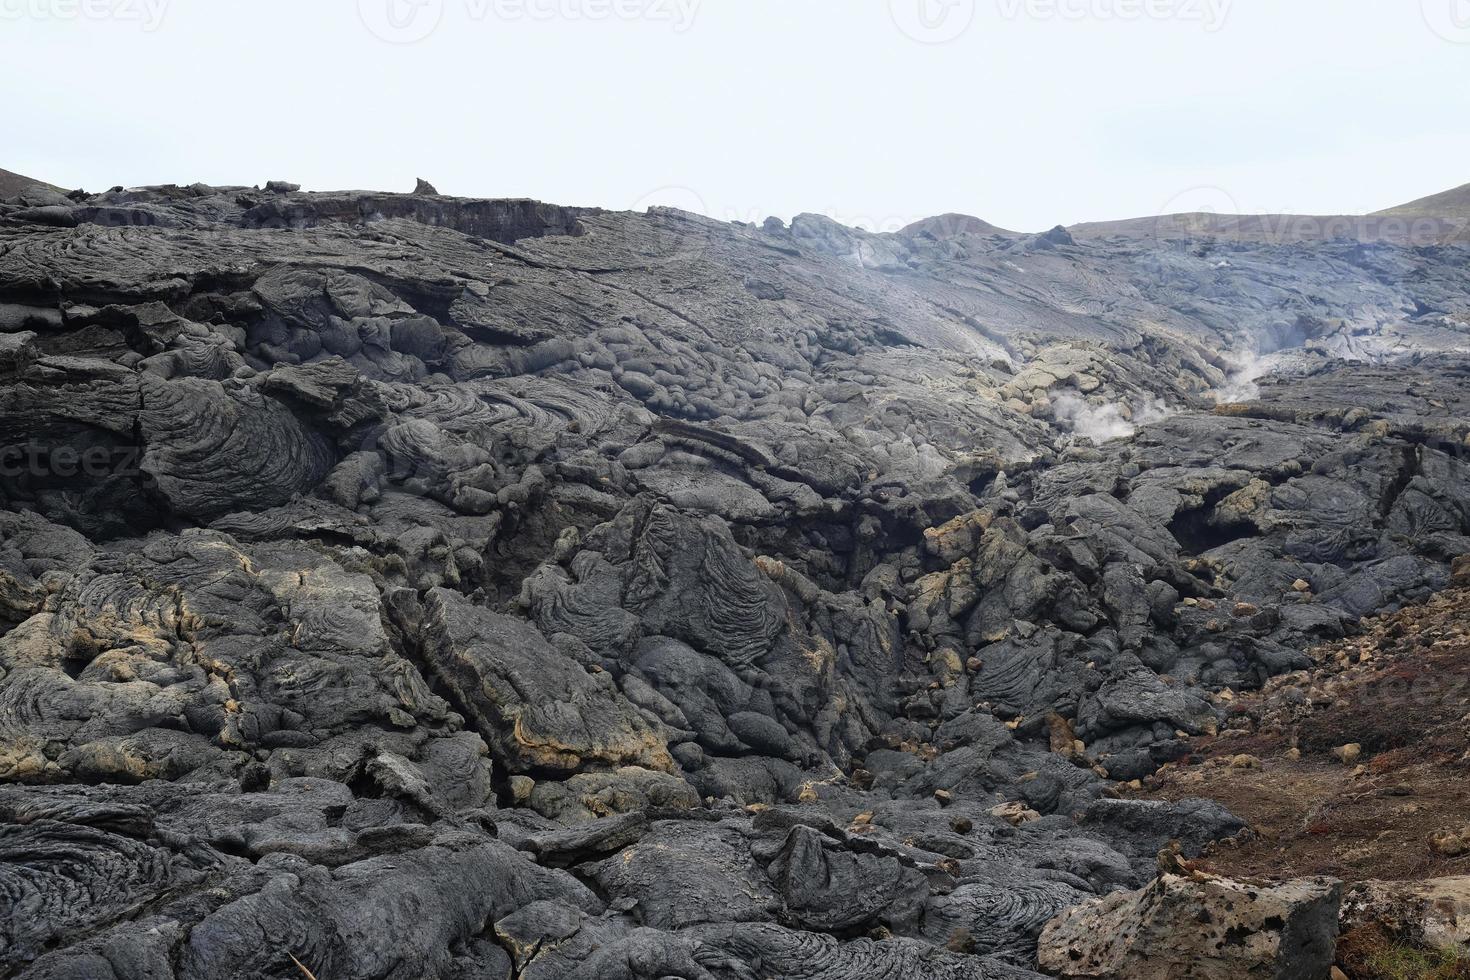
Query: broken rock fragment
point(1200, 928)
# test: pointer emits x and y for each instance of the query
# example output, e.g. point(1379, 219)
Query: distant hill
point(950, 225)
point(1395, 227)
point(1453, 204)
point(13, 184)
point(1436, 219)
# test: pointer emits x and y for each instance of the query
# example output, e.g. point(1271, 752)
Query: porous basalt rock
point(1433, 913)
point(1206, 928)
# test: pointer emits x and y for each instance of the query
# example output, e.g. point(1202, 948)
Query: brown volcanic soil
point(1402, 691)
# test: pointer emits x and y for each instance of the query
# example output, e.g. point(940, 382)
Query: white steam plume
point(1103, 423)
point(1240, 385)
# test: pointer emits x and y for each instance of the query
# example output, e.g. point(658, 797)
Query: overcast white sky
point(1028, 113)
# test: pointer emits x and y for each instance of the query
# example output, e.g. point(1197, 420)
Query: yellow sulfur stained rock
point(1015, 813)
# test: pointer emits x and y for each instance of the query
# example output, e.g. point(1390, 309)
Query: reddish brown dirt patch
point(1401, 690)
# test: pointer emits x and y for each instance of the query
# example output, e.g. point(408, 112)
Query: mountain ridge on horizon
point(1439, 218)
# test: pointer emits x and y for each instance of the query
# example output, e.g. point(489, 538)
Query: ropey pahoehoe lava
point(400, 585)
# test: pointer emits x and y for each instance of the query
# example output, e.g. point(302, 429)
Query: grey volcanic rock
point(538, 708)
point(1212, 929)
point(444, 587)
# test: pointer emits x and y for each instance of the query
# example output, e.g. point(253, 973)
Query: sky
point(1027, 113)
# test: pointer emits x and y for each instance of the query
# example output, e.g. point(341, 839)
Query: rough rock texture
point(1199, 929)
point(442, 587)
point(1433, 913)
